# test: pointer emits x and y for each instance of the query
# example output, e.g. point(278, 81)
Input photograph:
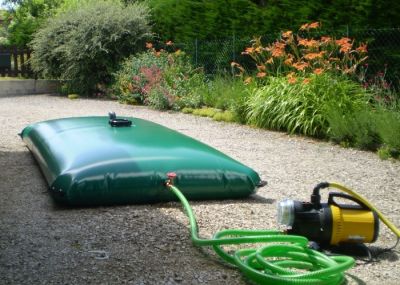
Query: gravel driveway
point(42, 243)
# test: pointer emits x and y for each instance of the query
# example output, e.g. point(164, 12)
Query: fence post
point(233, 47)
point(22, 59)
point(15, 56)
point(195, 50)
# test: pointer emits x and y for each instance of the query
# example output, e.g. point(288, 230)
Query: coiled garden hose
point(285, 260)
point(381, 216)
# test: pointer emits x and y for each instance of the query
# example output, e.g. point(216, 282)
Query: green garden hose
point(285, 260)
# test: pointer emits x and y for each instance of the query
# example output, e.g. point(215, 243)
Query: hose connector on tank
point(170, 180)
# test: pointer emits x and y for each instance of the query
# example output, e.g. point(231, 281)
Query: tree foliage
point(85, 45)
point(27, 18)
point(210, 19)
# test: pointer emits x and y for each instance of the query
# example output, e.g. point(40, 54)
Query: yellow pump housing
point(353, 225)
point(330, 223)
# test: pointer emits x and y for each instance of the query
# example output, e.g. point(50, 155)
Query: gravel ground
point(42, 243)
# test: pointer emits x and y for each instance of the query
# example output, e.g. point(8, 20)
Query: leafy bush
point(371, 128)
point(160, 79)
point(85, 45)
point(300, 106)
point(388, 128)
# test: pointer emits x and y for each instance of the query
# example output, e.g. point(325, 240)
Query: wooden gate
point(14, 62)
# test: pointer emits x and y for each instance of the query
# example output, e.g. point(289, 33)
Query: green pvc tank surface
point(105, 161)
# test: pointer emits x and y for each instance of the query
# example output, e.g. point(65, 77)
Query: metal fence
point(383, 51)
point(14, 62)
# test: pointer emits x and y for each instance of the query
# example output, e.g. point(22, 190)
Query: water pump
point(330, 223)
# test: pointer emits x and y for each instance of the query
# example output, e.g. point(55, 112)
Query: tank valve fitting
point(171, 177)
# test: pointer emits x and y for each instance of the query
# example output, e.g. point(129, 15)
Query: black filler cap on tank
point(115, 122)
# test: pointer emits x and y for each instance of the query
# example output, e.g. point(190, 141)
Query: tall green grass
point(228, 94)
point(222, 92)
point(301, 107)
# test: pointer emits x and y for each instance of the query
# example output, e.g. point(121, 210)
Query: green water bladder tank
point(105, 161)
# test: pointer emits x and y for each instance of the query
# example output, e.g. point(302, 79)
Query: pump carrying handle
point(360, 204)
point(382, 217)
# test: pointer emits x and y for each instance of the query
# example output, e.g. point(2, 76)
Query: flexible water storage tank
point(104, 161)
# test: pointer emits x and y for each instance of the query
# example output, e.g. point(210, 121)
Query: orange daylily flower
point(169, 43)
point(149, 45)
point(271, 60)
point(303, 27)
point(318, 71)
point(238, 66)
point(346, 48)
point(277, 52)
point(300, 65)
point(313, 25)
point(313, 55)
point(261, 67)
point(248, 80)
point(277, 49)
point(362, 48)
point(306, 80)
point(326, 40)
point(309, 26)
point(288, 61)
point(261, 74)
point(287, 34)
point(292, 78)
point(308, 43)
point(343, 41)
point(279, 45)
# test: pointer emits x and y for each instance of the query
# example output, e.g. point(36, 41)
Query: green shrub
point(300, 107)
point(206, 112)
point(226, 116)
point(372, 127)
point(215, 114)
point(73, 96)
point(157, 100)
point(222, 92)
point(85, 45)
point(160, 79)
point(388, 128)
point(355, 127)
point(187, 110)
point(384, 152)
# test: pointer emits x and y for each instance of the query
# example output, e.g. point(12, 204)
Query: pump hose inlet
point(275, 263)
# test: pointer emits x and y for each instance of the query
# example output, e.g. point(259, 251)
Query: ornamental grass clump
point(302, 107)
